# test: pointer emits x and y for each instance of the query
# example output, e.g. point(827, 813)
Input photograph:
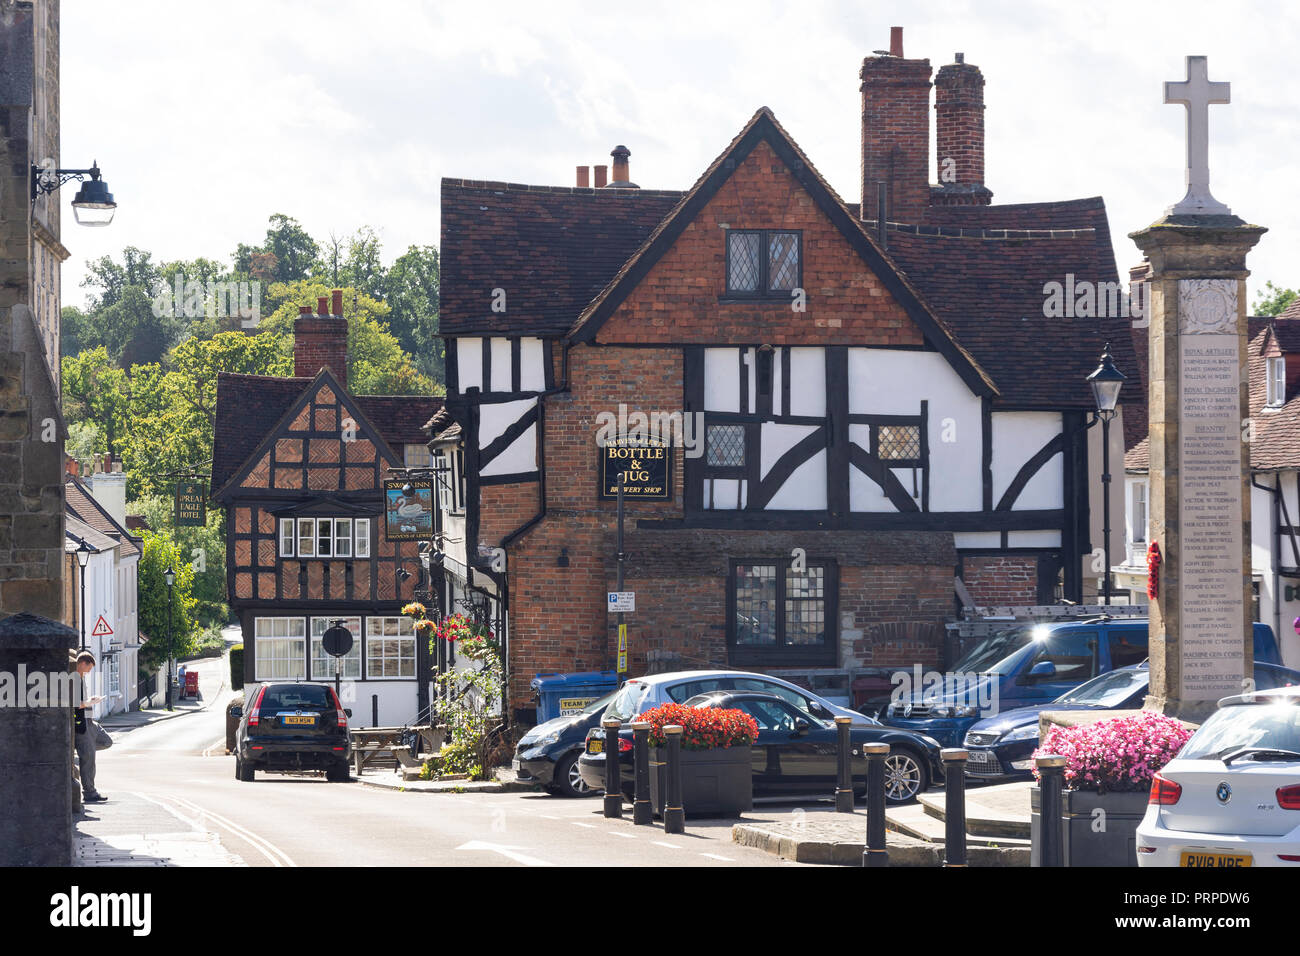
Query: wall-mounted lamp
point(93, 205)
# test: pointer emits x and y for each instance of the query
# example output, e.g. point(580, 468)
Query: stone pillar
point(1200, 631)
point(35, 742)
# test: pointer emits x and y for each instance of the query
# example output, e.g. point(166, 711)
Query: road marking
point(714, 856)
point(509, 852)
point(671, 846)
point(547, 816)
point(262, 845)
point(589, 826)
point(625, 836)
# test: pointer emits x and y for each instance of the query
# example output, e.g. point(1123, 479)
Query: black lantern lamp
point(1106, 382)
point(83, 554)
point(93, 205)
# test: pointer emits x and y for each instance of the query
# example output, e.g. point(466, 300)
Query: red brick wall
point(998, 580)
point(959, 122)
point(896, 136)
point(893, 615)
point(677, 300)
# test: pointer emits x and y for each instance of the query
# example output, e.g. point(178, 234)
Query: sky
point(207, 117)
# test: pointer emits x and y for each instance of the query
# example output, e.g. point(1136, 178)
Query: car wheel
point(567, 781)
point(243, 771)
point(905, 776)
point(339, 773)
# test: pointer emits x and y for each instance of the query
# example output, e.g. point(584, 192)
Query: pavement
point(133, 829)
point(505, 782)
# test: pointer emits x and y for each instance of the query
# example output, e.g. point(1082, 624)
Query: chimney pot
point(896, 42)
point(323, 305)
point(602, 176)
point(336, 304)
point(304, 310)
point(584, 177)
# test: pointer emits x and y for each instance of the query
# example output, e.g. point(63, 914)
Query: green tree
point(411, 291)
point(96, 392)
point(377, 365)
point(296, 254)
point(1273, 301)
point(362, 269)
point(160, 553)
point(203, 548)
point(123, 311)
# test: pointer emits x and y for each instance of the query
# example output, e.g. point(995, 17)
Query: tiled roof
point(1276, 443)
point(76, 530)
point(990, 292)
point(79, 503)
point(550, 248)
point(249, 406)
point(442, 427)
point(1292, 311)
point(554, 250)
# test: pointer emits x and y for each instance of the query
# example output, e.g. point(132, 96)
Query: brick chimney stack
point(959, 135)
point(321, 340)
point(896, 132)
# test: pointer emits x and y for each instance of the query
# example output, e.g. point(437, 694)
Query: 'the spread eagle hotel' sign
point(646, 463)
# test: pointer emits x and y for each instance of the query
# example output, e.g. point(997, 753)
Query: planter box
point(1084, 845)
point(717, 782)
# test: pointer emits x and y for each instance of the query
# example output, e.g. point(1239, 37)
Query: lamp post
point(170, 577)
point(83, 553)
point(1106, 382)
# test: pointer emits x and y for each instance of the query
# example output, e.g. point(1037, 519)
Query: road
point(177, 770)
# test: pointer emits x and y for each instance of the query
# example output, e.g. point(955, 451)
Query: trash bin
point(560, 695)
point(192, 684)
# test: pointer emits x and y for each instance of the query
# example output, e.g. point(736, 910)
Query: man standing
point(90, 737)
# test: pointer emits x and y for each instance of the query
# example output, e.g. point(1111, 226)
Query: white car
point(642, 693)
point(1232, 795)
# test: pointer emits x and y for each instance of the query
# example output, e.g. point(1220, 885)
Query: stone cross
point(1197, 93)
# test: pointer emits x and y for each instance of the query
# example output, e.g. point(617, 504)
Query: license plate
point(978, 756)
point(595, 746)
point(303, 720)
point(515, 765)
point(1190, 858)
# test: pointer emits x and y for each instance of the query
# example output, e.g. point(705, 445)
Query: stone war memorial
point(1201, 646)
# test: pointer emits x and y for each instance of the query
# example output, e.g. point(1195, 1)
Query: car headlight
point(941, 710)
point(1027, 732)
point(966, 711)
point(553, 738)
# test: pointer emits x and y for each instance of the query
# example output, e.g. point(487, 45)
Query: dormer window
point(1276, 381)
point(763, 262)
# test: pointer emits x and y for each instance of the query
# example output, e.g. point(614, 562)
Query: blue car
point(1000, 747)
point(1026, 665)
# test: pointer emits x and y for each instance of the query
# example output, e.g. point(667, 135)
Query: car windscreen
point(989, 650)
point(297, 697)
point(1272, 726)
point(596, 706)
point(1108, 690)
point(627, 702)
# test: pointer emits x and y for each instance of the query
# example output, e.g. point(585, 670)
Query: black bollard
point(613, 778)
point(642, 811)
point(1051, 779)
point(954, 805)
point(875, 853)
point(674, 815)
point(844, 784)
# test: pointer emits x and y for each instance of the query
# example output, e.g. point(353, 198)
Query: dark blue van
point(1029, 664)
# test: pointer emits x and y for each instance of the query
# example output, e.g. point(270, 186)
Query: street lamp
point(1106, 382)
point(170, 577)
point(93, 205)
point(83, 553)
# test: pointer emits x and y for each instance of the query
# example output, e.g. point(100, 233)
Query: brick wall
point(896, 135)
point(678, 299)
point(999, 580)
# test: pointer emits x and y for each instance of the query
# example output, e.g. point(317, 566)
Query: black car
point(290, 727)
point(795, 751)
point(548, 754)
